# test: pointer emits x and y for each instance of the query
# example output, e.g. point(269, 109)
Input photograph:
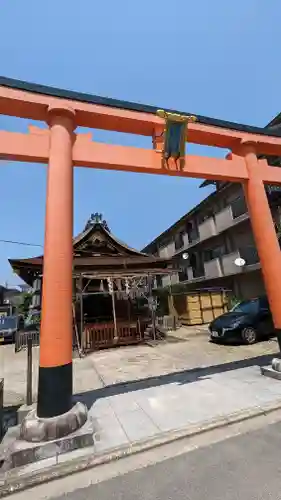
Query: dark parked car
point(9, 325)
point(247, 322)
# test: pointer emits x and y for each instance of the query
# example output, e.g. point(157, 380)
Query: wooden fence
point(101, 335)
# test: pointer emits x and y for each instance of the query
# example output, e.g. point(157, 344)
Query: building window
point(179, 241)
point(238, 207)
point(192, 232)
point(196, 264)
point(214, 253)
point(183, 274)
point(159, 281)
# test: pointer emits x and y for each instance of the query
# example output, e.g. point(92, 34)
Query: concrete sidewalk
point(142, 410)
point(131, 417)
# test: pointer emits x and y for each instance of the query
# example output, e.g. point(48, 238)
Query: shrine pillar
point(264, 234)
point(55, 364)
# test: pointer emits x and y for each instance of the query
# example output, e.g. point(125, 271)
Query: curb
point(14, 484)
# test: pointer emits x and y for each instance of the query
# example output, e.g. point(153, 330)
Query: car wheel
point(249, 335)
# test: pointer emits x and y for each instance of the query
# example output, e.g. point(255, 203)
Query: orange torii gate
point(61, 149)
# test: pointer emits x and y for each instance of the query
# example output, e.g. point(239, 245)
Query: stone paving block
point(266, 397)
point(172, 419)
point(110, 433)
point(100, 408)
point(194, 403)
point(137, 424)
point(168, 422)
point(123, 402)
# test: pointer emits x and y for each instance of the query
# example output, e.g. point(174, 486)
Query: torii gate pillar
point(265, 236)
point(56, 416)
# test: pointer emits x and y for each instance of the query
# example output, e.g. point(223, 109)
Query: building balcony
point(195, 274)
point(228, 263)
point(224, 219)
point(223, 266)
point(192, 237)
point(213, 269)
point(232, 214)
point(249, 254)
point(207, 229)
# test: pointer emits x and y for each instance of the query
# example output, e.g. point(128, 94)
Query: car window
point(247, 307)
point(8, 322)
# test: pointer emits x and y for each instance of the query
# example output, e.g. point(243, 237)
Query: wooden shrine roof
point(97, 252)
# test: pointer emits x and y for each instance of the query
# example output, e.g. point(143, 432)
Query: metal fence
point(22, 337)
point(168, 323)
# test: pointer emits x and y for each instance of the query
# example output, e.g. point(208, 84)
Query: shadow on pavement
point(182, 377)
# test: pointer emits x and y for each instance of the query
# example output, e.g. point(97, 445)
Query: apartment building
point(214, 235)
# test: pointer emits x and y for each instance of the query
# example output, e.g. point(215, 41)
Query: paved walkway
point(184, 351)
point(133, 413)
point(136, 411)
point(137, 394)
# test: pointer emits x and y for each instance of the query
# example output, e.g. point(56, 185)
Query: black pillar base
point(54, 391)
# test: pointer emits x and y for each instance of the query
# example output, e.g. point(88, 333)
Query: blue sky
point(216, 58)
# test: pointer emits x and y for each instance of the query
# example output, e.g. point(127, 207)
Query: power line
point(21, 243)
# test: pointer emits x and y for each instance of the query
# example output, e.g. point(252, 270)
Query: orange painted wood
point(265, 236)
point(57, 320)
point(34, 147)
point(34, 106)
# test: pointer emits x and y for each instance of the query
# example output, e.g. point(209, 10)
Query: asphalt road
point(246, 467)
